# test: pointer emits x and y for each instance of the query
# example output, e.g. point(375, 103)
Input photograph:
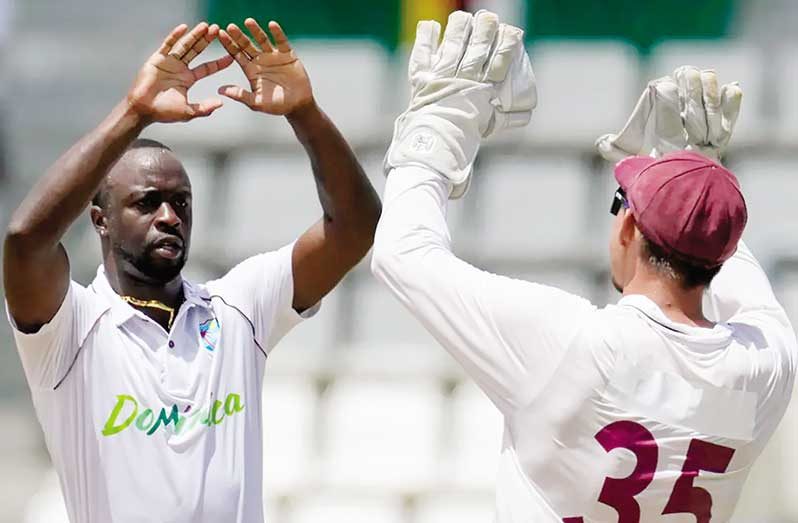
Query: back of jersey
point(646, 417)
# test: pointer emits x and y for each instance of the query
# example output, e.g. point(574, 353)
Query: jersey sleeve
point(509, 335)
point(48, 354)
point(741, 290)
point(262, 287)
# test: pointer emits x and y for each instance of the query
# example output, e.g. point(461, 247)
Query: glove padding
point(683, 111)
point(476, 82)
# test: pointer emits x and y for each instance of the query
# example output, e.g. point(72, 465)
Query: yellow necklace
point(153, 304)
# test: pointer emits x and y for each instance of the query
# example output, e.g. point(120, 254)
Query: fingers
point(279, 37)
point(485, 28)
point(666, 108)
point(428, 32)
point(711, 99)
point(731, 96)
point(630, 140)
point(508, 40)
point(242, 41)
point(201, 44)
point(239, 94)
point(209, 68)
point(182, 47)
point(204, 108)
point(455, 37)
point(260, 35)
point(233, 49)
point(695, 118)
point(172, 39)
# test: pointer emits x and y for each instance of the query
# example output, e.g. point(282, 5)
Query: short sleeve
point(263, 288)
point(48, 353)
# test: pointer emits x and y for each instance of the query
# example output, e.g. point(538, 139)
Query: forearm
point(351, 206)
point(412, 255)
point(413, 222)
point(488, 323)
point(60, 196)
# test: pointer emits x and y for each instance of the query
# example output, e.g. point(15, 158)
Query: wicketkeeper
point(655, 406)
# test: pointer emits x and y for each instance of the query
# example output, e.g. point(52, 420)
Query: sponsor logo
point(130, 413)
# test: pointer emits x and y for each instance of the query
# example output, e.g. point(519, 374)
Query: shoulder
point(611, 331)
point(769, 337)
point(257, 269)
point(256, 285)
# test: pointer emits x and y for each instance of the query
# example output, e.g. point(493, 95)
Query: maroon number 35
point(685, 497)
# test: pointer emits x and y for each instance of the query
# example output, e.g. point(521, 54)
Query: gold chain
point(153, 304)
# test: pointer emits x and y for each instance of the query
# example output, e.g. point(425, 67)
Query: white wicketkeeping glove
point(684, 111)
point(476, 82)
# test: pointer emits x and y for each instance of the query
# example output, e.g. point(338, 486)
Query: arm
point(280, 85)
point(35, 263)
point(509, 335)
point(331, 247)
point(742, 287)
point(36, 267)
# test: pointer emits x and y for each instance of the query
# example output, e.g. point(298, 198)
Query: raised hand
point(277, 79)
point(687, 110)
point(478, 80)
point(160, 91)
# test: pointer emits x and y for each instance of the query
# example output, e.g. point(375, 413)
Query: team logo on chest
point(209, 333)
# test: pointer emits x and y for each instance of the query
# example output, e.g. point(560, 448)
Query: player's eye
point(181, 202)
point(148, 203)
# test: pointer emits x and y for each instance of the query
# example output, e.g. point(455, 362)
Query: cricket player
point(147, 386)
point(653, 409)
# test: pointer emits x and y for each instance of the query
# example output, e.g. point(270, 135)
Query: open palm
point(160, 91)
point(279, 83)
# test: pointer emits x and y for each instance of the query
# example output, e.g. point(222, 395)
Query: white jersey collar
point(121, 311)
point(717, 335)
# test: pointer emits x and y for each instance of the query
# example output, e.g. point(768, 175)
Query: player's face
point(149, 215)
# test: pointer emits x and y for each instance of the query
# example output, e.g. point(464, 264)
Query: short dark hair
point(688, 273)
point(100, 198)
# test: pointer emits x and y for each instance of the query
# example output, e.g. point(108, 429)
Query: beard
point(153, 267)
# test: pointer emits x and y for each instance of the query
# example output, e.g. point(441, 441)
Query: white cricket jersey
point(611, 415)
point(148, 425)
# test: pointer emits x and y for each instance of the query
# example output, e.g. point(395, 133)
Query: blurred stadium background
point(367, 420)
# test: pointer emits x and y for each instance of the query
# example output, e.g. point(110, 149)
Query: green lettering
point(212, 416)
point(145, 420)
point(111, 427)
point(163, 419)
point(232, 404)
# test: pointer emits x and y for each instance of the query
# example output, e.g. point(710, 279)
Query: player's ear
point(99, 220)
point(628, 229)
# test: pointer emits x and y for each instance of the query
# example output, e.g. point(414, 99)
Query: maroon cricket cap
point(686, 204)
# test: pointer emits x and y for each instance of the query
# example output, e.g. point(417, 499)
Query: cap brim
point(627, 170)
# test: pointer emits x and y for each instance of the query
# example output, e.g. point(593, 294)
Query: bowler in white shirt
point(147, 386)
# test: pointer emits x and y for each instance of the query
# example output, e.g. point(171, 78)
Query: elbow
point(356, 234)
point(18, 233)
point(23, 237)
point(388, 264)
